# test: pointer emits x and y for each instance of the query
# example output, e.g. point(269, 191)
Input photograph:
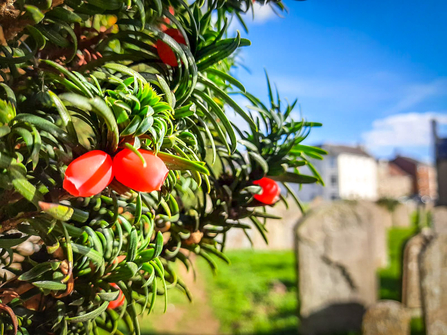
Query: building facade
point(392, 181)
point(348, 172)
point(423, 176)
point(351, 173)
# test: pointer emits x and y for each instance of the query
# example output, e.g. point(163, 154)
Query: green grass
point(390, 278)
point(256, 294)
point(244, 302)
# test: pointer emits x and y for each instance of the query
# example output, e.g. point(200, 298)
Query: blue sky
point(374, 72)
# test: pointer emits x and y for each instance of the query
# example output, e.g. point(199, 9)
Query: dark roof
point(408, 159)
point(395, 170)
point(344, 149)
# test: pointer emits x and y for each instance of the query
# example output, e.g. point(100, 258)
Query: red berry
point(130, 171)
point(119, 300)
point(166, 20)
point(88, 174)
point(270, 191)
point(165, 53)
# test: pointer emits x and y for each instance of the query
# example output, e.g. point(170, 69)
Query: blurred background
point(374, 73)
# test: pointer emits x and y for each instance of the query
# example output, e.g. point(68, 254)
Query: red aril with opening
point(270, 191)
point(88, 174)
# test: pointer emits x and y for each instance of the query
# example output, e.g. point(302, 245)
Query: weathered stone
point(386, 317)
point(434, 285)
point(386, 216)
point(280, 232)
point(440, 219)
point(411, 285)
point(401, 216)
point(337, 266)
point(380, 226)
point(316, 202)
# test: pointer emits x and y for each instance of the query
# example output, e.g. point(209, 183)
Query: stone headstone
point(434, 285)
point(411, 282)
point(337, 267)
point(386, 216)
point(316, 202)
point(386, 317)
point(380, 236)
point(280, 232)
point(401, 216)
point(440, 219)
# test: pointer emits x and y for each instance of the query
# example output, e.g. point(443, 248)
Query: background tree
point(113, 131)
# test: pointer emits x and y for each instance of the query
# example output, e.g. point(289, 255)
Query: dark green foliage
point(388, 203)
point(86, 75)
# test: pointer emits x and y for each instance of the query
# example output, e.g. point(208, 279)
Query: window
point(334, 180)
point(332, 161)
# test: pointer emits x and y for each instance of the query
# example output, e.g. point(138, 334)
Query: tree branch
point(13, 21)
point(13, 223)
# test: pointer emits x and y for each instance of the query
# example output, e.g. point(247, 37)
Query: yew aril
point(166, 20)
point(165, 52)
point(270, 191)
point(130, 171)
point(88, 174)
point(119, 301)
point(119, 259)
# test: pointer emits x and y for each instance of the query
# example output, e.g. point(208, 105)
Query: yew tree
point(119, 155)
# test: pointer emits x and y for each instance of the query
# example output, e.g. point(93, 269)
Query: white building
point(348, 172)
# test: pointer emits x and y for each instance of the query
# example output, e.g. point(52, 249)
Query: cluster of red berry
point(270, 189)
point(92, 172)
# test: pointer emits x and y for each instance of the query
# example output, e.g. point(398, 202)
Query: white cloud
point(402, 130)
point(263, 13)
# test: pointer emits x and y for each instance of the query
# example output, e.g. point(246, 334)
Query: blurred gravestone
point(380, 226)
point(440, 219)
point(337, 262)
point(434, 285)
point(280, 232)
point(411, 285)
point(316, 202)
point(386, 317)
point(386, 216)
point(401, 216)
